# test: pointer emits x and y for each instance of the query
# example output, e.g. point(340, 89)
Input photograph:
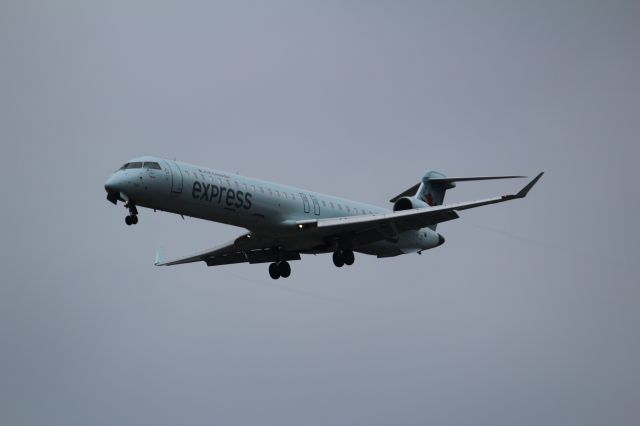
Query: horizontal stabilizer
point(470, 178)
point(444, 181)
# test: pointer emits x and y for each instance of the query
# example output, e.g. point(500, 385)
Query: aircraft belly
point(407, 242)
point(381, 249)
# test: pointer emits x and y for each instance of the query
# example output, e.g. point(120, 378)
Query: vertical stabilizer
point(432, 192)
point(434, 186)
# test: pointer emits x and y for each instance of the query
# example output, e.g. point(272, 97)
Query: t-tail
point(432, 189)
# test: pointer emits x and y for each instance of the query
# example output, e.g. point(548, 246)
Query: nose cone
point(113, 184)
point(116, 184)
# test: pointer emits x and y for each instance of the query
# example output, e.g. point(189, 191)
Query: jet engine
point(408, 203)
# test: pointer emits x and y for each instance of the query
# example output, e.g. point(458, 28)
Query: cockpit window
point(136, 165)
point(124, 166)
point(149, 165)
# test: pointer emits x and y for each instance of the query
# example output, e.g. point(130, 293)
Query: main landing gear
point(279, 269)
point(343, 257)
point(132, 219)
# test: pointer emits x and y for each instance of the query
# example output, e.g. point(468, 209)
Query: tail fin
point(434, 186)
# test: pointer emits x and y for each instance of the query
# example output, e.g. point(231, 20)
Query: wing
point(405, 219)
point(246, 248)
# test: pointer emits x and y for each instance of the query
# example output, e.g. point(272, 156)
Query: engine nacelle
point(408, 203)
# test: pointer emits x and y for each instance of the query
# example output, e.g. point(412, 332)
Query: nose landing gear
point(132, 219)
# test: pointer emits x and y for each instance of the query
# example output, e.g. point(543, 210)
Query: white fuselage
point(262, 207)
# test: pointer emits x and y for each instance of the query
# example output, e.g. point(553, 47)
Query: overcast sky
point(528, 315)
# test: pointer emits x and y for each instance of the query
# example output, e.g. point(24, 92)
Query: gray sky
point(528, 314)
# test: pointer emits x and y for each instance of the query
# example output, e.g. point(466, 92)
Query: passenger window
point(237, 184)
point(270, 191)
point(262, 190)
point(253, 188)
point(331, 204)
point(324, 203)
point(136, 165)
point(339, 207)
point(277, 193)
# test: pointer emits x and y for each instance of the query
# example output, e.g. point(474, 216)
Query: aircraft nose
point(112, 185)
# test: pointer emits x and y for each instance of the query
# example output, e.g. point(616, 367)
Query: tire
point(273, 271)
point(348, 257)
point(284, 269)
point(337, 259)
point(134, 220)
point(127, 220)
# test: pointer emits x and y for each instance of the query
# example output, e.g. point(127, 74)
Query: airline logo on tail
point(429, 199)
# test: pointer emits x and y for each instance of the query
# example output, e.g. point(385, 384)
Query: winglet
point(159, 257)
point(524, 191)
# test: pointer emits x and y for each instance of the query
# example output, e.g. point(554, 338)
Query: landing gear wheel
point(132, 219)
point(284, 269)
point(337, 259)
point(348, 257)
point(274, 271)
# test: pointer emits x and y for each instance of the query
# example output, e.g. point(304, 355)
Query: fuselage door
point(176, 177)
point(305, 202)
point(316, 205)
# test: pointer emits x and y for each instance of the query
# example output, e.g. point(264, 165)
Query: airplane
point(284, 222)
